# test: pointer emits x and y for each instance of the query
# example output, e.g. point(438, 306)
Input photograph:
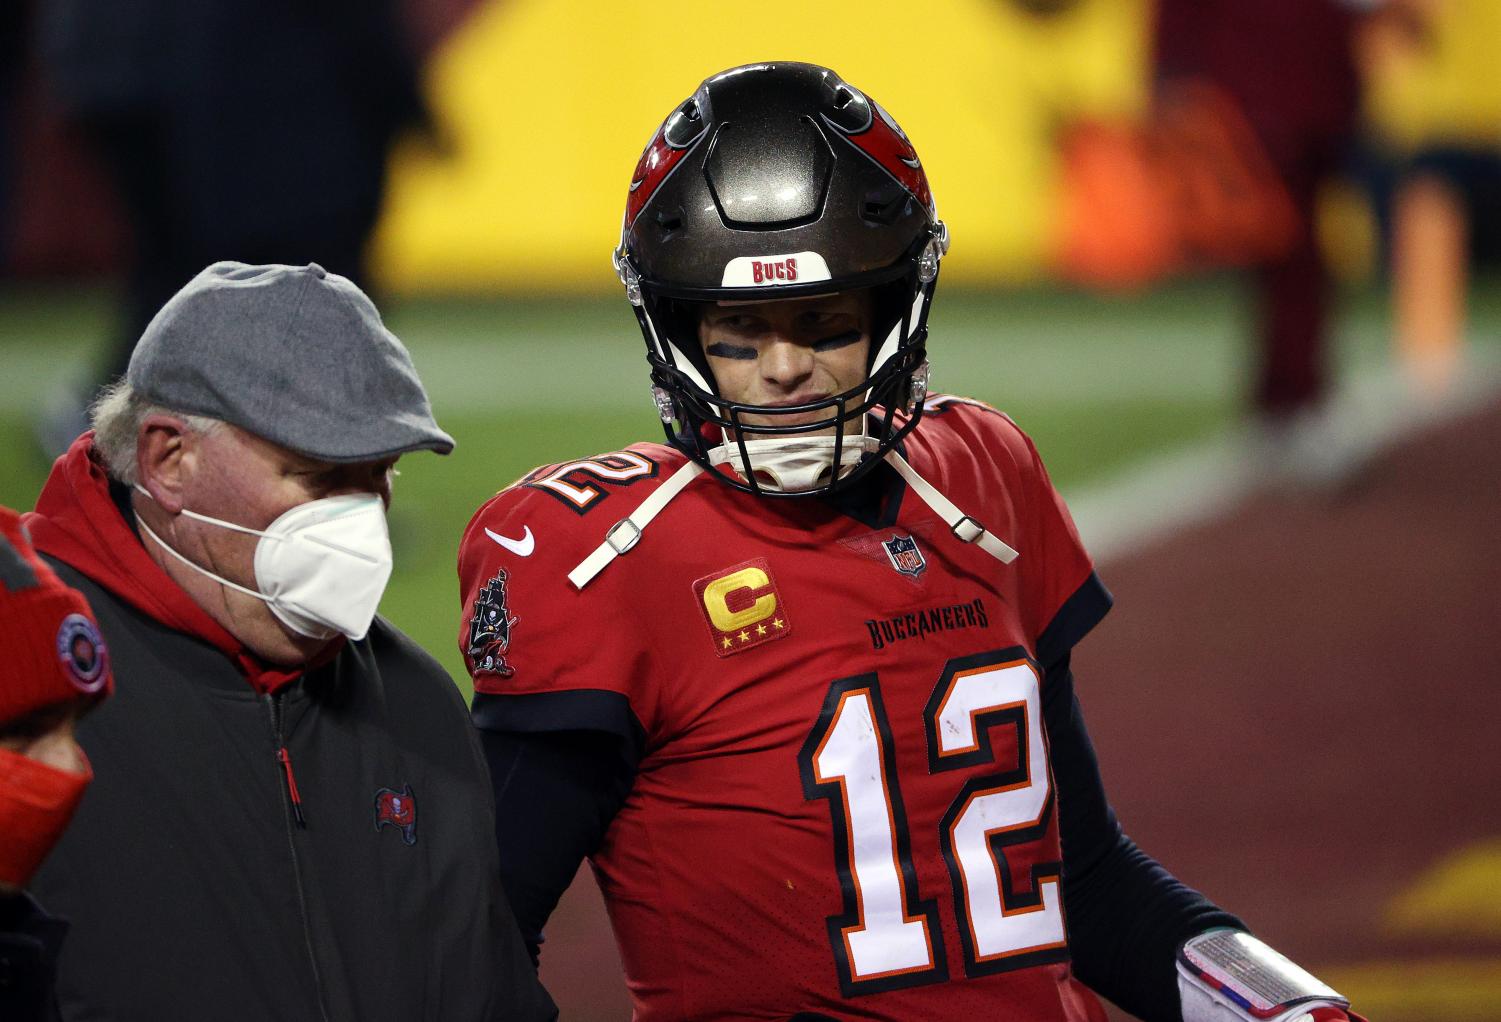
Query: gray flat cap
point(294, 354)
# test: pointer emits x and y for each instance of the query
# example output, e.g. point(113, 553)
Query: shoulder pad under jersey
point(558, 513)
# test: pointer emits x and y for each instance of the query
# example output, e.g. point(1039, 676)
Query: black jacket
point(29, 942)
point(193, 892)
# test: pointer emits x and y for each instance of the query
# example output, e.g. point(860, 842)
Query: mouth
point(804, 398)
point(790, 418)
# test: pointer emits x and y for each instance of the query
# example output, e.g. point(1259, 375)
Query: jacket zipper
point(292, 811)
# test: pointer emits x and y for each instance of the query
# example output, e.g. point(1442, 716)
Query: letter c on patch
point(717, 593)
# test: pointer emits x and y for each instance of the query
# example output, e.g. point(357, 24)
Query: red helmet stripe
point(888, 147)
point(656, 162)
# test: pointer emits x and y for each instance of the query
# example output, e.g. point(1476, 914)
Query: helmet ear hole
point(669, 221)
point(884, 206)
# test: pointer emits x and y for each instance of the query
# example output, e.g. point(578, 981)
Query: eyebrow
point(839, 340)
point(738, 352)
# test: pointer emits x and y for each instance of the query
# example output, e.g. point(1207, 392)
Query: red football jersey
point(843, 804)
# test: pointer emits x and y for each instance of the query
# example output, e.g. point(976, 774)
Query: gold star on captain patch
point(777, 623)
point(760, 629)
point(727, 642)
point(745, 636)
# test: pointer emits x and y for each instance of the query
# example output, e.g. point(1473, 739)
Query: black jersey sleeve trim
point(584, 709)
point(1079, 613)
point(1127, 915)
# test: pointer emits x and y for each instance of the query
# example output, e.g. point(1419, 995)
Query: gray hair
point(117, 415)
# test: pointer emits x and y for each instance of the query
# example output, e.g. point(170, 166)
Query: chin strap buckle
point(621, 546)
point(967, 529)
point(626, 533)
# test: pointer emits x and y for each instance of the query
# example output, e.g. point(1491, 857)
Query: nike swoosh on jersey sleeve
point(521, 547)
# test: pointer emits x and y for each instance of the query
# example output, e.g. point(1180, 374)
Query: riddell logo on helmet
point(782, 269)
point(775, 270)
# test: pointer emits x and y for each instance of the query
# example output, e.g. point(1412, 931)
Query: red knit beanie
point(50, 647)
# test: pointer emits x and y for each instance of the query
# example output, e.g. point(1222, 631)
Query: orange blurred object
point(1191, 188)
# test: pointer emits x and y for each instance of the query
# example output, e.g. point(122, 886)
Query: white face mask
point(321, 566)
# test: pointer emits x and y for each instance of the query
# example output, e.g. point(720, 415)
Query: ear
point(165, 458)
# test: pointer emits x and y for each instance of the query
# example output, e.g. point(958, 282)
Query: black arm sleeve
point(555, 795)
point(1127, 916)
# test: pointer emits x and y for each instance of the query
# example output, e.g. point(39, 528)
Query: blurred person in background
point(814, 725)
point(257, 132)
point(1252, 113)
point(15, 20)
point(54, 668)
point(1288, 67)
point(1436, 100)
point(292, 816)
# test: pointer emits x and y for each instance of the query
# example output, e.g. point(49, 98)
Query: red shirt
point(843, 804)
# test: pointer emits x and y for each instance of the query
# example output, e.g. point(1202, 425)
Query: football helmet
point(772, 181)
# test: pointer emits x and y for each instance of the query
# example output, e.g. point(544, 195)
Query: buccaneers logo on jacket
point(490, 629)
point(397, 809)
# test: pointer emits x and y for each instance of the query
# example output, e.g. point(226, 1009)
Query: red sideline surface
point(1295, 706)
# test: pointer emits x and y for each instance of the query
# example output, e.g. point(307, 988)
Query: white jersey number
point(887, 937)
point(573, 483)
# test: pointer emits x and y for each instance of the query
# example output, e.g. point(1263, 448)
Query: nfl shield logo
point(904, 555)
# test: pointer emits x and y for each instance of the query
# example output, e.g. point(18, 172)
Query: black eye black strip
point(840, 340)
point(738, 352)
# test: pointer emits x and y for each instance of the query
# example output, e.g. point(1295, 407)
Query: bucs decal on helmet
point(490, 629)
point(742, 607)
point(771, 270)
point(397, 809)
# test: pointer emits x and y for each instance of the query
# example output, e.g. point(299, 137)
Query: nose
point(60, 750)
point(785, 364)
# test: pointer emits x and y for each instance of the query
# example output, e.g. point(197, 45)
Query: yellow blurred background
point(547, 106)
point(544, 107)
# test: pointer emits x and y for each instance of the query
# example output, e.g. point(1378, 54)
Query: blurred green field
point(1098, 382)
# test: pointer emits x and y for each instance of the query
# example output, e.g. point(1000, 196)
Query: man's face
point(238, 477)
point(47, 737)
point(788, 352)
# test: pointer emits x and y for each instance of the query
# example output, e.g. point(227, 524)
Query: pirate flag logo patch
point(397, 809)
point(904, 555)
point(490, 629)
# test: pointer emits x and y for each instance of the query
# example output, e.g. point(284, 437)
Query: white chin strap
point(794, 464)
point(960, 524)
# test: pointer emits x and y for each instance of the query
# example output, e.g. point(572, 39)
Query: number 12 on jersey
point(887, 937)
